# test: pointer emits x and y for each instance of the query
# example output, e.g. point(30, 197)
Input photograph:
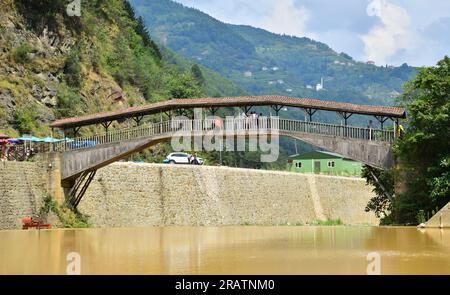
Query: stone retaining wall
point(22, 188)
point(130, 194)
point(440, 219)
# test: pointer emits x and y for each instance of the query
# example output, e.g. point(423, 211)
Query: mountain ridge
point(262, 62)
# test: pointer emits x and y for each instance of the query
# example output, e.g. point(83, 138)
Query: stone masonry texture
point(130, 194)
point(137, 195)
point(22, 189)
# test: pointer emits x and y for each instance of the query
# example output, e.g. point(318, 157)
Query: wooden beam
point(138, 120)
point(381, 119)
point(277, 108)
point(181, 112)
point(213, 111)
point(310, 112)
point(246, 109)
point(345, 116)
point(75, 131)
point(106, 125)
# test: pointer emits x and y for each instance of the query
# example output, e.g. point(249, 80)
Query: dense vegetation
point(107, 49)
point(212, 83)
point(423, 174)
point(265, 63)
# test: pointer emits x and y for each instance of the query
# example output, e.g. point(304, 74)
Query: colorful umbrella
point(13, 141)
point(51, 139)
point(31, 138)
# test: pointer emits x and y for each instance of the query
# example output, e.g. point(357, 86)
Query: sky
point(390, 32)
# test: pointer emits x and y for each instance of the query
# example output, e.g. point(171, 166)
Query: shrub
point(72, 71)
point(20, 53)
point(421, 217)
point(328, 222)
point(25, 119)
point(69, 218)
point(69, 102)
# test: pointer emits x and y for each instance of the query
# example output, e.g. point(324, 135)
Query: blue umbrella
point(51, 139)
point(31, 138)
point(14, 141)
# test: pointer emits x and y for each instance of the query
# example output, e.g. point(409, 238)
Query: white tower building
point(320, 86)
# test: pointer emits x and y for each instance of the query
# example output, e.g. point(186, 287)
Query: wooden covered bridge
point(81, 157)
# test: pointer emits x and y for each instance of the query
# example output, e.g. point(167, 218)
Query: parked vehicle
point(197, 161)
point(182, 158)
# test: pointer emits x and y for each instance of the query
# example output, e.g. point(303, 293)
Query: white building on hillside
point(320, 86)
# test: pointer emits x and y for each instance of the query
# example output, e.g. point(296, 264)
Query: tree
point(72, 70)
point(383, 183)
point(142, 31)
point(424, 152)
point(198, 75)
point(184, 86)
point(26, 118)
point(129, 9)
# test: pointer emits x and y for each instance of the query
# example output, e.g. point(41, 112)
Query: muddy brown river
point(227, 250)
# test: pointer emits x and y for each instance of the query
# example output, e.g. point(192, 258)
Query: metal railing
point(262, 125)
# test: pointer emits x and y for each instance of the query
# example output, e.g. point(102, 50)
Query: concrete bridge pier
point(52, 161)
point(63, 190)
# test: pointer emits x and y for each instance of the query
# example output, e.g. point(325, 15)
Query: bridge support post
point(310, 113)
point(138, 120)
point(246, 109)
point(75, 131)
point(51, 162)
point(80, 185)
point(213, 111)
point(345, 116)
point(106, 125)
point(382, 120)
point(277, 109)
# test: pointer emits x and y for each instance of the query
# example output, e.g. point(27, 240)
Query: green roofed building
point(321, 162)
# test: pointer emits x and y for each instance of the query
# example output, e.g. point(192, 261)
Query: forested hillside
point(53, 65)
point(261, 62)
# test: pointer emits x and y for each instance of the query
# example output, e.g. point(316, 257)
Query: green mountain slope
point(53, 65)
point(265, 63)
point(214, 85)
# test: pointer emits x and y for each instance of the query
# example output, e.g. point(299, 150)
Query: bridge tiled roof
point(315, 104)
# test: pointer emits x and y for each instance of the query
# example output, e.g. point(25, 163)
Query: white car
point(181, 158)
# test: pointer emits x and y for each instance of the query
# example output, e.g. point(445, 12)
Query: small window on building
point(298, 165)
point(331, 164)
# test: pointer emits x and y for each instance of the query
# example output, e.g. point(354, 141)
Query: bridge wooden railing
point(262, 125)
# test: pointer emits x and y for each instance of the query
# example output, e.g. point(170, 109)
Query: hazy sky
point(385, 31)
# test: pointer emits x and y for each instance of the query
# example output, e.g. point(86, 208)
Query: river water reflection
point(227, 250)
